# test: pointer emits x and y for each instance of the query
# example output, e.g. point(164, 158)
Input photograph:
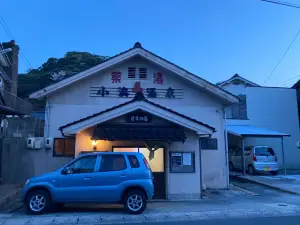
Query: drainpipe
point(226, 150)
point(283, 160)
point(201, 183)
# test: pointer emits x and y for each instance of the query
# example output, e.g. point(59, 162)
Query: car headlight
point(27, 182)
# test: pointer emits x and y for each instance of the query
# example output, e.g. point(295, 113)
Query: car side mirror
point(65, 170)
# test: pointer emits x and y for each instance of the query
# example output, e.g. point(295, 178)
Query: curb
point(8, 199)
point(146, 218)
point(243, 179)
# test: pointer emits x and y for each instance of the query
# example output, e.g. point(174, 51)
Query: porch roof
point(252, 131)
point(139, 102)
point(145, 133)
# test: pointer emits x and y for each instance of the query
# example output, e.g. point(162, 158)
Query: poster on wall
point(187, 159)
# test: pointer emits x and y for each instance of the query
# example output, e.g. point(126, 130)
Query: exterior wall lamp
point(94, 143)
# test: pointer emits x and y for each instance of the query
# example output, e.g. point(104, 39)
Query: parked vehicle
point(124, 178)
point(257, 159)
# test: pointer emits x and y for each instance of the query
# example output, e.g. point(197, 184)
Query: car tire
point(135, 202)
point(231, 167)
point(274, 173)
point(38, 202)
point(59, 206)
point(251, 170)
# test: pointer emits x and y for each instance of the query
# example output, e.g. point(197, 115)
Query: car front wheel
point(38, 202)
point(135, 202)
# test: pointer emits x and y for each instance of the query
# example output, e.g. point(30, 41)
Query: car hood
point(45, 177)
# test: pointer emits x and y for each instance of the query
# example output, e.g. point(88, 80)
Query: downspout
point(226, 150)
point(201, 183)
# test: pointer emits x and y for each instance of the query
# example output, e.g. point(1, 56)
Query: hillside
point(55, 70)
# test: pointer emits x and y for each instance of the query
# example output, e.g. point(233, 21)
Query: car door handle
point(87, 177)
point(123, 175)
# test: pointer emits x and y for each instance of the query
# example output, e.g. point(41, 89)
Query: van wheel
point(135, 202)
point(274, 173)
point(38, 202)
point(251, 170)
point(231, 167)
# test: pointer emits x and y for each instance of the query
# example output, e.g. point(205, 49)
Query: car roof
point(109, 153)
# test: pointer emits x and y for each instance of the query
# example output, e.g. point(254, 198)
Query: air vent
point(131, 72)
point(143, 73)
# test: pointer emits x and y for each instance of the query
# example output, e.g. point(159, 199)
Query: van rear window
point(264, 151)
point(134, 162)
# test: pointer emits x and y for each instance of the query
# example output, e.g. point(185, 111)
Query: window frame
point(96, 166)
point(58, 155)
point(100, 161)
point(130, 162)
point(209, 139)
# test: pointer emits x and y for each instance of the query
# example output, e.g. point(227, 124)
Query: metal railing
point(14, 103)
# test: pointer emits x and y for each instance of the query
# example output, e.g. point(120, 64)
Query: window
point(131, 72)
point(264, 151)
point(112, 163)
point(143, 73)
point(64, 147)
point(238, 110)
point(209, 143)
point(83, 165)
point(134, 162)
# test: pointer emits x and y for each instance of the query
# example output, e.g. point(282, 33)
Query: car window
point(83, 165)
point(134, 162)
point(264, 151)
point(112, 163)
point(238, 152)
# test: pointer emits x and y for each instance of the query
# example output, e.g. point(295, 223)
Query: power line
point(286, 51)
point(9, 34)
point(283, 3)
point(292, 79)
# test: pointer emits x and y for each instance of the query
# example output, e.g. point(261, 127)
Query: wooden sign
point(139, 117)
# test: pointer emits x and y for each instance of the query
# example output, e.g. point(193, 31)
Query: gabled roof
point(173, 116)
point(237, 77)
point(138, 50)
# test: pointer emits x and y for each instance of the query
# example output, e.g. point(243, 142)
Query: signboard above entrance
point(139, 117)
point(125, 92)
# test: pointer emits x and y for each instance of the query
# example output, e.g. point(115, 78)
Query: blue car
point(109, 177)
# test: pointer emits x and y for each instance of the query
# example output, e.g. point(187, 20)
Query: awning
point(141, 133)
point(252, 131)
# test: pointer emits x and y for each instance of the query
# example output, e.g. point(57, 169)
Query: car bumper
point(266, 167)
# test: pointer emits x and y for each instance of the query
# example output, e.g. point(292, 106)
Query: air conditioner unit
point(49, 143)
point(298, 144)
point(35, 142)
point(30, 142)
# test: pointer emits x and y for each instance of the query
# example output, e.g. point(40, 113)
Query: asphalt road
point(286, 220)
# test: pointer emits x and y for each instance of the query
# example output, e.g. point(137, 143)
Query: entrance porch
point(168, 140)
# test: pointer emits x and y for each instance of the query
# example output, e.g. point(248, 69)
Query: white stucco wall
point(236, 89)
point(73, 103)
point(275, 109)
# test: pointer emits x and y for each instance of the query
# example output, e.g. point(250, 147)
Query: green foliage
point(71, 63)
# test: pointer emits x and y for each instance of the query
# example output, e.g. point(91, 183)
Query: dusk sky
point(212, 38)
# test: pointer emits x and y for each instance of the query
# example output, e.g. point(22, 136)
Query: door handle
point(87, 178)
point(123, 175)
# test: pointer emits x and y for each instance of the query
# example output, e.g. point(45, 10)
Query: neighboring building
point(267, 114)
point(297, 87)
point(138, 101)
point(10, 104)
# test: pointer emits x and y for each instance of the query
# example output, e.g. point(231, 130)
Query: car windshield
point(264, 151)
